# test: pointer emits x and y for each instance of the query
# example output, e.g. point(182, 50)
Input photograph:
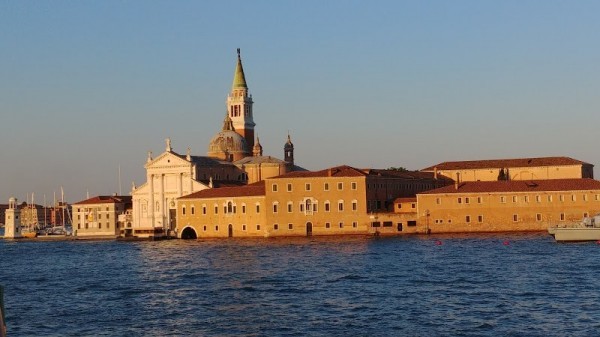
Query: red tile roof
point(104, 199)
point(256, 189)
point(408, 175)
point(338, 171)
point(520, 186)
point(399, 200)
point(505, 163)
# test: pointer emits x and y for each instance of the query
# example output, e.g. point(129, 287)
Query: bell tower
point(288, 151)
point(12, 223)
point(239, 105)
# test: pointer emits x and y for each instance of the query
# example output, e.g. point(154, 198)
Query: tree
point(400, 169)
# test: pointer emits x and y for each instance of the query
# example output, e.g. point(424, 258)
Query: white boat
point(586, 230)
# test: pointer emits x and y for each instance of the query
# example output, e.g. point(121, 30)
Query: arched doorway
point(309, 229)
point(230, 228)
point(189, 233)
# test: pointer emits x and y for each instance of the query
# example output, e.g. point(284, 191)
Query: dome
point(228, 144)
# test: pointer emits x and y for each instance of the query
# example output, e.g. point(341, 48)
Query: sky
point(87, 88)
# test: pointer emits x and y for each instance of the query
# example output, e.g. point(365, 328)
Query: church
point(234, 158)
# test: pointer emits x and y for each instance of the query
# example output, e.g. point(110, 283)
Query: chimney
point(435, 173)
point(456, 181)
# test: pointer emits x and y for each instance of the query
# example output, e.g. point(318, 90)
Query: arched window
point(229, 207)
point(183, 210)
point(308, 205)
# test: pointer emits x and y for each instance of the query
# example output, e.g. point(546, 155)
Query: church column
point(151, 205)
point(192, 179)
point(161, 197)
point(179, 184)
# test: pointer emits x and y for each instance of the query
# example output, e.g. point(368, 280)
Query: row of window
point(98, 215)
point(515, 218)
point(313, 207)
point(86, 225)
point(514, 199)
point(306, 206)
point(308, 187)
point(90, 209)
point(276, 226)
point(404, 186)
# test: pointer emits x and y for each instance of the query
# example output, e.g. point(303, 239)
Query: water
point(470, 285)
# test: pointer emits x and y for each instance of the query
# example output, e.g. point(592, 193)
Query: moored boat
point(28, 234)
point(586, 230)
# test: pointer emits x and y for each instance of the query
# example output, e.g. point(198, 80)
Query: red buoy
point(506, 243)
point(438, 243)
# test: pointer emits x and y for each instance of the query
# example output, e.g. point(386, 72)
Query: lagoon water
point(461, 285)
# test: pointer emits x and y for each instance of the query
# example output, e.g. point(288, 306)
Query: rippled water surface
point(472, 285)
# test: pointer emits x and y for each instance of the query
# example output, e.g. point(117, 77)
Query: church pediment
point(167, 159)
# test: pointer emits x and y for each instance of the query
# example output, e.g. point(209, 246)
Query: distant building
point(100, 216)
point(33, 216)
point(338, 200)
point(3, 208)
point(514, 169)
point(59, 214)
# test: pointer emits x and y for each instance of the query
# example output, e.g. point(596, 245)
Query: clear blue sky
point(88, 86)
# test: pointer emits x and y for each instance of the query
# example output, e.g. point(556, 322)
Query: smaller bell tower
point(288, 151)
point(12, 222)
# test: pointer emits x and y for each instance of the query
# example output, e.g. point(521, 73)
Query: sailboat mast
point(120, 193)
point(54, 210)
point(45, 208)
point(62, 205)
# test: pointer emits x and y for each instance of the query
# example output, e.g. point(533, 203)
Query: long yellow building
point(514, 169)
point(338, 200)
point(492, 206)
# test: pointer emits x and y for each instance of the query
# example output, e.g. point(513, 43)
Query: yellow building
point(99, 216)
point(223, 212)
point(338, 200)
point(514, 169)
point(493, 206)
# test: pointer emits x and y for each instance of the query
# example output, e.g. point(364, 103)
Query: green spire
point(239, 80)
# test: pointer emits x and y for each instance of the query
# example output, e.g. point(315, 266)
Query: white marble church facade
point(168, 177)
